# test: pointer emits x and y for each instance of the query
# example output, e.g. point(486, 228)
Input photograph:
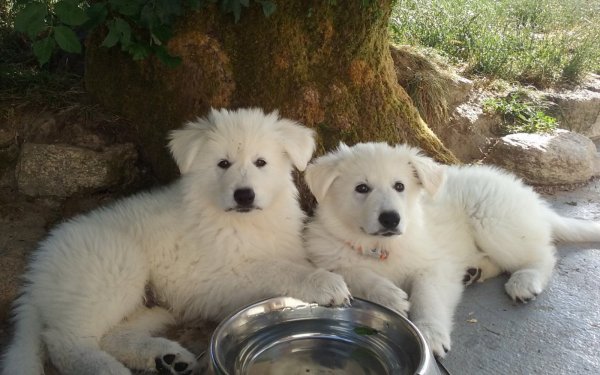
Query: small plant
point(140, 27)
point(521, 115)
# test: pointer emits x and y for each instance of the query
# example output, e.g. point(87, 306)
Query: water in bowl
point(319, 346)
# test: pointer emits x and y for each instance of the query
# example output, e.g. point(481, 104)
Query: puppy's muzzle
point(244, 198)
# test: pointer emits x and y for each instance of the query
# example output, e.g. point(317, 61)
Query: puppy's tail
point(25, 353)
point(566, 229)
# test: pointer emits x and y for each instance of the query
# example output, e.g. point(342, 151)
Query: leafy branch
point(139, 27)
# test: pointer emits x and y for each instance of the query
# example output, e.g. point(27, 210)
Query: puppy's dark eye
point(260, 163)
point(399, 187)
point(224, 164)
point(362, 188)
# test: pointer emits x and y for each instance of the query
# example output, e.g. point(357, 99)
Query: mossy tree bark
point(327, 66)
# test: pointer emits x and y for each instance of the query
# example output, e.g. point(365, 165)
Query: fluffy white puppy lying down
point(227, 233)
point(392, 221)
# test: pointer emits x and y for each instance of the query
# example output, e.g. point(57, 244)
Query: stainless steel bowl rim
point(426, 356)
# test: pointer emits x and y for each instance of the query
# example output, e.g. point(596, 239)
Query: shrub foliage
point(139, 27)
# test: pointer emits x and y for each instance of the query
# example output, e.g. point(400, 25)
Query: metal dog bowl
point(285, 336)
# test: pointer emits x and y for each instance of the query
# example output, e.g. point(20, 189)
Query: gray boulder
point(63, 170)
point(579, 110)
point(562, 158)
point(470, 131)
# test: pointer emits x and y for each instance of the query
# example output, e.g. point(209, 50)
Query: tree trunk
point(327, 66)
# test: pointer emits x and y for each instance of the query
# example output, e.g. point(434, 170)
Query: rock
point(470, 131)
point(562, 158)
point(578, 110)
point(40, 129)
point(597, 160)
point(63, 170)
point(592, 83)
point(8, 136)
point(459, 89)
point(75, 126)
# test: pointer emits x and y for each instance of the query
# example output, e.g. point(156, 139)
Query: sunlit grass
point(540, 42)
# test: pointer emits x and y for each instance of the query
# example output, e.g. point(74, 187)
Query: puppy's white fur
point(450, 218)
point(202, 254)
point(512, 227)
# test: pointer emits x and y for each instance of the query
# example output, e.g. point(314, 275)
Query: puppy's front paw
point(326, 288)
point(389, 295)
point(182, 363)
point(437, 336)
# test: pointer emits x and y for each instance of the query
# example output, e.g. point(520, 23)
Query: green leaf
point(522, 117)
point(237, 10)
point(164, 56)
point(124, 30)
point(118, 31)
point(148, 18)
point(66, 39)
point(113, 36)
point(96, 14)
point(43, 48)
point(70, 13)
point(138, 51)
point(127, 7)
point(245, 3)
point(197, 4)
point(162, 33)
point(31, 20)
point(268, 7)
point(167, 9)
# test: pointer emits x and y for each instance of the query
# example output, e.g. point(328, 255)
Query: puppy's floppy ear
point(430, 174)
point(298, 142)
point(186, 143)
point(321, 173)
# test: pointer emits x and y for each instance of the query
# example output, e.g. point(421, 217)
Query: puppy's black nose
point(389, 219)
point(244, 197)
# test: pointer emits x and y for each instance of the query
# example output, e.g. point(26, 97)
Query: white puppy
point(227, 233)
point(511, 227)
point(391, 220)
